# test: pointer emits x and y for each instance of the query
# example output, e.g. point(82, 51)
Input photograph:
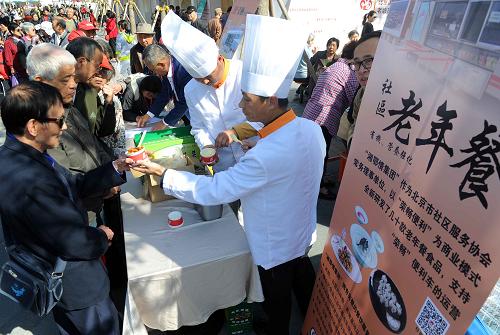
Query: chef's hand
point(159, 126)
point(142, 120)
point(224, 138)
point(109, 233)
point(247, 145)
point(148, 167)
point(123, 164)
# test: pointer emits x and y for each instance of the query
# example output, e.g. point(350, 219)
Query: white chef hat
point(196, 52)
point(271, 53)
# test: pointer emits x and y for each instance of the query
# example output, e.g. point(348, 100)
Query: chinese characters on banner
point(413, 242)
point(318, 17)
point(324, 20)
point(382, 9)
point(235, 27)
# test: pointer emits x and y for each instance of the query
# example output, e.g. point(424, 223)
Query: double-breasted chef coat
point(214, 110)
point(277, 181)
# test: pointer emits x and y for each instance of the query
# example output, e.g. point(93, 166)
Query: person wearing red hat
point(105, 63)
point(85, 29)
point(76, 34)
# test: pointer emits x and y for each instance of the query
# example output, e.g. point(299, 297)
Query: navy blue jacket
point(180, 77)
point(40, 213)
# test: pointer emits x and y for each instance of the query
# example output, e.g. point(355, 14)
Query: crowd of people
point(72, 81)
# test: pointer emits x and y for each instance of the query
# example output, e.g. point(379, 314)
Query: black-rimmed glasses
point(366, 63)
point(59, 121)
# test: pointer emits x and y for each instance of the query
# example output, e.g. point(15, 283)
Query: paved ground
point(13, 320)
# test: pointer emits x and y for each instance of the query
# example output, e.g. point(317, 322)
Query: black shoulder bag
point(30, 280)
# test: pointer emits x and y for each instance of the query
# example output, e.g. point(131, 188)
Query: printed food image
point(377, 240)
point(363, 244)
point(361, 216)
point(346, 259)
point(363, 247)
point(387, 301)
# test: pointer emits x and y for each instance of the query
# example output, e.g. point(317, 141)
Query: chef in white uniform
point(214, 92)
point(278, 179)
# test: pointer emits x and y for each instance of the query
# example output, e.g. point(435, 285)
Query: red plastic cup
point(137, 155)
point(208, 156)
point(175, 219)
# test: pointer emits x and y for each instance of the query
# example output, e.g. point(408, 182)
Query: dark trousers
point(112, 44)
point(278, 283)
point(328, 141)
point(4, 88)
point(186, 120)
point(98, 319)
point(116, 263)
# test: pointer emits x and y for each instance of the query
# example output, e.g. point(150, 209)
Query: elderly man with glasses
point(89, 56)
point(80, 150)
point(41, 207)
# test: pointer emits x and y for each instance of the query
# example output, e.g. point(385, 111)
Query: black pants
point(98, 319)
point(278, 283)
point(112, 44)
point(186, 120)
point(328, 141)
point(4, 88)
point(116, 263)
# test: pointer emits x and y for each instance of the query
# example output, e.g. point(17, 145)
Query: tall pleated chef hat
point(271, 54)
point(196, 52)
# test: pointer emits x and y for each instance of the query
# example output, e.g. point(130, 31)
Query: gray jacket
point(80, 151)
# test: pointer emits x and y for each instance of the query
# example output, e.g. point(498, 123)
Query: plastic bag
point(13, 81)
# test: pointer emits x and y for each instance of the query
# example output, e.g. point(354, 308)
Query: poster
point(235, 27)
point(325, 20)
point(382, 9)
point(413, 242)
point(201, 7)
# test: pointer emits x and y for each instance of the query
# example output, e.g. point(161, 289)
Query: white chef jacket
point(213, 111)
point(278, 183)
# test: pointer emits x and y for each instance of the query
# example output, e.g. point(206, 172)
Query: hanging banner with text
point(413, 242)
point(234, 29)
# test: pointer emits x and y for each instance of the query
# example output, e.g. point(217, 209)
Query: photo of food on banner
point(384, 295)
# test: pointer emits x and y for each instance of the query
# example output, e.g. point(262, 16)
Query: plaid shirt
point(332, 95)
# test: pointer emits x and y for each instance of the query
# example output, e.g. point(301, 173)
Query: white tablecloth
point(179, 276)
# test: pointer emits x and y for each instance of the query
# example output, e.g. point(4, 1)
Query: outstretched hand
point(148, 167)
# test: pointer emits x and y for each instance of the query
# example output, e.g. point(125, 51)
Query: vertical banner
point(382, 9)
point(203, 10)
point(413, 242)
point(235, 27)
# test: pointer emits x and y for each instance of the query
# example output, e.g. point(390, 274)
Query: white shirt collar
point(170, 70)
